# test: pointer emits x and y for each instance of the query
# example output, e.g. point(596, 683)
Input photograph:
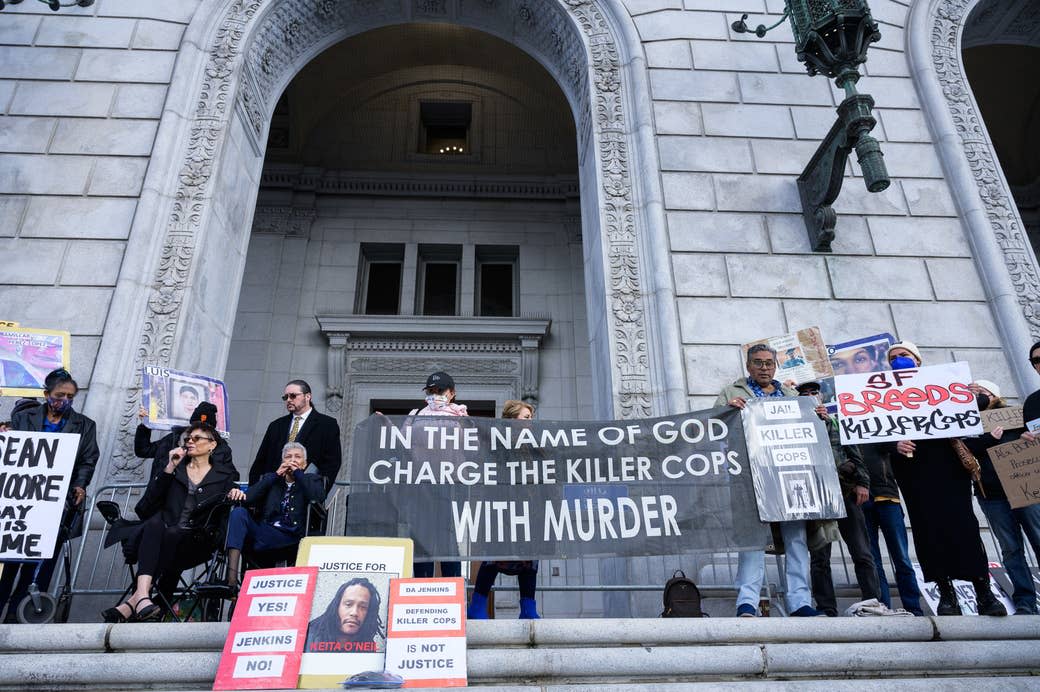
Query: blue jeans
point(1008, 525)
point(751, 570)
point(888, 516)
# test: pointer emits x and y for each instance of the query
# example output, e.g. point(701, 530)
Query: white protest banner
point(800, 356)
point(35, 471)
point(791, 461)
point(426, 634)
point(170, 396)
point(914, 404)
point(965, 591)
point(346, 634)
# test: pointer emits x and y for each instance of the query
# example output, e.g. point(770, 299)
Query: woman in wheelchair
point(282, 497)
point(175, 508)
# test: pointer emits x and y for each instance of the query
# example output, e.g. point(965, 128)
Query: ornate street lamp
point(55, 5)
point(831, 37)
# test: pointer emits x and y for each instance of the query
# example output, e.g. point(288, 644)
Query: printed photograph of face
point(184, 397)
point(350, 611)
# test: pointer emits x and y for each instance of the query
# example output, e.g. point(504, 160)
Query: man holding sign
point(924, 411)
point(751, 569)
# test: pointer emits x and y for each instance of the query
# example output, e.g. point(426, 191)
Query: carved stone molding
point(398, 185)
point(1007, 265)
point(985, 168)
point(258, 45)
point(407, 348)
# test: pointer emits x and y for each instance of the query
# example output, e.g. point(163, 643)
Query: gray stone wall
point(81, 94)
point(737, 119)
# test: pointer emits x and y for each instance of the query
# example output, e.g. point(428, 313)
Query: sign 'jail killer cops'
point(35, 470)
point(488, 488)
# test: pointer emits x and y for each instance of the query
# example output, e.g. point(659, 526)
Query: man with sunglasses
point(318, 433)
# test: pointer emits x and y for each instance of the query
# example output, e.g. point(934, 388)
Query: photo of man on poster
point(351, 622)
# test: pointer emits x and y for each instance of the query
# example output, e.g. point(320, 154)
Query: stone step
point(560, 655)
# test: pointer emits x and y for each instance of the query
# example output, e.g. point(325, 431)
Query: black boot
point(947, 598)
point(988, 604)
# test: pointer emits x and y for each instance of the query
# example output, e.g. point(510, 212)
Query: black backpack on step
point(682, 598)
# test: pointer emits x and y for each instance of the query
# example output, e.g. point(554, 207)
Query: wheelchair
point(182, 593)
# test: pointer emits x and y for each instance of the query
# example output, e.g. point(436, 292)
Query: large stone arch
point(1006, 262)
point(176, 298)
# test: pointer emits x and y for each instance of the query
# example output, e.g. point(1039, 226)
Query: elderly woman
point(283, 497)
point(174, 506)
point(526, 571)
point(54, 415)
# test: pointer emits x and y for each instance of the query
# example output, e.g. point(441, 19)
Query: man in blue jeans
point(885, 512)
point(751, 568)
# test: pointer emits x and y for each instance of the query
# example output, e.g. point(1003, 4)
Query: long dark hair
point(326, 627)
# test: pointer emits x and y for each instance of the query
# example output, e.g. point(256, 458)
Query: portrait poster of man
point(801, 356)
point(27, 355)
point(346, 632)
point(171, 396)
point(866, 354)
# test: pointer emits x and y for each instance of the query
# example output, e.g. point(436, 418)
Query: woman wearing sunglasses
point(175, 506)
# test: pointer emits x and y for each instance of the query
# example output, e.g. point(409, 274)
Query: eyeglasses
point(810, 392)
point(1035, 361)
point(763, 363)
point(199, 438)
point(291, 395)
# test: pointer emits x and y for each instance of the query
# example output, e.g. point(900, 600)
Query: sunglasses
point(293, 395)
point(199, 438)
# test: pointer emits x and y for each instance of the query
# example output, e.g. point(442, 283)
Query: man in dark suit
point(315, 431)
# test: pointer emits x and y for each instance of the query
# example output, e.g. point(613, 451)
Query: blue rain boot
point(529, 609)
point(477, 607)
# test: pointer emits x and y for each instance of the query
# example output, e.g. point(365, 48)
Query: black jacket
point(168, 492)
point(878, 460)
point(849, 460)
point(159, 451)
point(268, 492)
point(31, 420)
point(1031, 407)
point(319, 434)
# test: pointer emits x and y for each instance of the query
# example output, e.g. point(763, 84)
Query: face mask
point(436, 401)
point(903, 363)
point(59, 406)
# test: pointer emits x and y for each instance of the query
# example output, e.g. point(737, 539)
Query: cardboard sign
point(1017, 465)
point(346, 634)
point(34, 480)
point(265, 639)
point(426, 642)
point(1009, 418)
point(170, 397)
point(914, 404)
point(791, 460)
point(965, 593)
point(800, 356)
point(27, 356)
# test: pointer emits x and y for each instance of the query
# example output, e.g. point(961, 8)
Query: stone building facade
point(215, 185)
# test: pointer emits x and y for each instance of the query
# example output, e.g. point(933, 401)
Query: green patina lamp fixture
point(55, 5)
point(831, 37)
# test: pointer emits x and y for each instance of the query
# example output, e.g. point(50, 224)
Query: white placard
point(914, 404)
point(35, 471)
